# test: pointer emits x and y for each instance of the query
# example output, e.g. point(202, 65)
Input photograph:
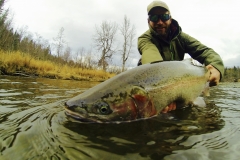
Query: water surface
point(33, 125)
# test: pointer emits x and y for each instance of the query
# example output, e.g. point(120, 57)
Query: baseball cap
point(157, 4)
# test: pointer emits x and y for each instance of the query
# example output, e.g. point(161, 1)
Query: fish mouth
point(72, 111)
point(76, 116)
point(80, 114)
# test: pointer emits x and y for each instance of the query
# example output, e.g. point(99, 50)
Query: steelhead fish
point(139, 93)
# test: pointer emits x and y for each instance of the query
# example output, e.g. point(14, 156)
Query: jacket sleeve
point(202, 53)
point(147, 49)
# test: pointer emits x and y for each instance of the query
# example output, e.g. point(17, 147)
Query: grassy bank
point(18, 63)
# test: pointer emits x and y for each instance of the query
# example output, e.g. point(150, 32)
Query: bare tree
point(79, 55)
point(104, 40)
point(23, 32)
point(59, 42)
point(38, 47)
point(128, 32)
point(67, 54)
point(89, 60)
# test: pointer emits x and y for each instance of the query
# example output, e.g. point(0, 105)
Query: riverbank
point(22, 64)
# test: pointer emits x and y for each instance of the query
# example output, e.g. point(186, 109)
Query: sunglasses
point(163, 17)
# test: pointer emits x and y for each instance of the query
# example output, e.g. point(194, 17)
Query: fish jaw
point(126, 106)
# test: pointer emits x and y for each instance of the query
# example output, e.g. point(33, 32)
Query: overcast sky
point(213, 22)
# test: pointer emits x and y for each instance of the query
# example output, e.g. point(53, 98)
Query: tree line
point(231, 74)
point(60, 53)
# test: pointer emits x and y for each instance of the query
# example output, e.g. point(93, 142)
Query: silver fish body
point(139, 93)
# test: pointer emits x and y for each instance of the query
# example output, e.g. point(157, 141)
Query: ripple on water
point(29, 132)
point(33, 125)
point(10, 94)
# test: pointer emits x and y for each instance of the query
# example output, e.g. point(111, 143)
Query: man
point(165, 41)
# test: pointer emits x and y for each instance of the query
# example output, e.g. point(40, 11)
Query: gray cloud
point(235, 61)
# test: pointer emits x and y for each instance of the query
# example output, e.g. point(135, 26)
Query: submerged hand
point(214, 75)
point(170, 107)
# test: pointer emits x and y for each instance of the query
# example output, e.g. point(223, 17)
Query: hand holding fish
point(214, 75)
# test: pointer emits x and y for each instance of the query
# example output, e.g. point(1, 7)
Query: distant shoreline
point(21, 64)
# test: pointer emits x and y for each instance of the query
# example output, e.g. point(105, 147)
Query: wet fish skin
point(139, 93)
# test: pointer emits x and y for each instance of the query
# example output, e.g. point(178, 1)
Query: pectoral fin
point(143, 102)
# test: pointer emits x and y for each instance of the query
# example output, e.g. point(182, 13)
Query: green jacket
point(153, 48)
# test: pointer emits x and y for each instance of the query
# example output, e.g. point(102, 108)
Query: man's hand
point(214, 75)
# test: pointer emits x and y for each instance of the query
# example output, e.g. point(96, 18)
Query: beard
point(162, 30)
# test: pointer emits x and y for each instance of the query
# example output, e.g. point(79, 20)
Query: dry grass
point(15, 62)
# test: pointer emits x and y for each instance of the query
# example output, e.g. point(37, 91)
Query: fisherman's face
point(160, 26)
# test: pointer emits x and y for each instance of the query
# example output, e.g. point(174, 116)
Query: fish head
point(121, 105)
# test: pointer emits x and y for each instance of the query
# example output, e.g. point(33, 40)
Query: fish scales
point(139, 93)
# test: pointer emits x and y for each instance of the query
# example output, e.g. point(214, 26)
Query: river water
point(33, 125)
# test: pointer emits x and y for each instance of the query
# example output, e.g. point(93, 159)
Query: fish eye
point(104, 108)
